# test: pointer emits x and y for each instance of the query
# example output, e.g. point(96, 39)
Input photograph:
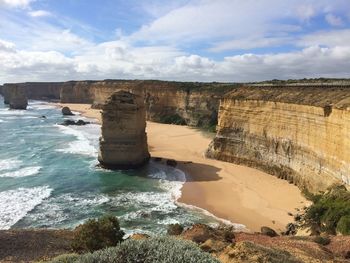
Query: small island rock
point(66, 111)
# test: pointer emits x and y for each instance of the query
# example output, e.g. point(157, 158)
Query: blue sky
point(196, 40)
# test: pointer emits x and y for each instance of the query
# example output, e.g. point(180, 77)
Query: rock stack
point(18, 98)
point(123, 143)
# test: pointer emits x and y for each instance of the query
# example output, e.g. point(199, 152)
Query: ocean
point(49, 178)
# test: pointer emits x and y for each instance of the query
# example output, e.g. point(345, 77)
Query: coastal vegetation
point(152, 250)
point(330, 211)
point(96, 234)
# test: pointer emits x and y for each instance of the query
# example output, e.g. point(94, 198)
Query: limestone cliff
point(17, 98)
point(123, 142)
point(193, 104)
point(35, 90)
point(298, 132)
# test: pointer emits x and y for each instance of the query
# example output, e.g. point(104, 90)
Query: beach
point(232, 192)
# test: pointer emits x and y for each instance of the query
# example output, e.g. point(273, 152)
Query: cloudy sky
point(195, 40)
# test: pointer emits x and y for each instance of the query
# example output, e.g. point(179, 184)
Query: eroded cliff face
point(297, 133)
point(123, 142)
point(193, 104)
point(35, 90)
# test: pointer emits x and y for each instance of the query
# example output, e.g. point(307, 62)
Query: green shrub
point(327, 210)
point(343, 226)
point(175, 229)
point(97, 234)
point(153, 250)
point(322, 240)
point(65, 258)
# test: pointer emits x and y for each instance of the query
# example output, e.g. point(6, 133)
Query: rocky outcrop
point(66, 111)
point(17, 98)
point(123, 143)
point(297, 132)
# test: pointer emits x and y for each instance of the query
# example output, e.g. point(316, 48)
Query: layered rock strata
point(193, 104)
point(18, 99)
point(123, 143)
point(35, 90)
point(299, 133)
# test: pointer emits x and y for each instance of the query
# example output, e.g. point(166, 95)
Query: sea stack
point(123, 143)
point(17, 98)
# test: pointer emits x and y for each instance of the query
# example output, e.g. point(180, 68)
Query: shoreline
point(229, 192)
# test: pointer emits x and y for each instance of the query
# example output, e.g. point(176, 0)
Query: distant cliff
point(35, 90)
point(188, 103)
point(298, 132)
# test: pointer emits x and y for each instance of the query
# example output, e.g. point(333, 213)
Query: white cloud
point(235, 24)
point(334, 20)
point(117, 59)
point(249, 43)
point(162, 48)
point(39, 13)
point(6, 46)
point(15, 3)
point(327, 38)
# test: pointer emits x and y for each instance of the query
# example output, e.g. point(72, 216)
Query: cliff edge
point(297, 132)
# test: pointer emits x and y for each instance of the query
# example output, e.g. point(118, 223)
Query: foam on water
point(5, 112)
point(59, 210)
point(170, 179)
point(15, 204)
point(23, 172)
point(83, 143)
point(9, 164)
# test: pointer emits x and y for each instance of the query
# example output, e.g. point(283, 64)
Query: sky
point(183, 40)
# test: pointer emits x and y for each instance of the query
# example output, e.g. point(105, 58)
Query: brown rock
point(123, 144)
point(267, 231)
point(66, 111)
point(18, 98)
point(213, 246)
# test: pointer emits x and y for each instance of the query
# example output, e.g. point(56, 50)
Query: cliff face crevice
point(307, 145)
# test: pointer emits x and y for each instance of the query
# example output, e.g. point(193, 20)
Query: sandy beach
point(236, 193)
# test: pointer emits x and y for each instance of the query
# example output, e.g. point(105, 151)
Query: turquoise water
point(49, 178)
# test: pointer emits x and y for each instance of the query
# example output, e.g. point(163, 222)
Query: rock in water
point(123, 144)
point(18, 98)
point(66, 111)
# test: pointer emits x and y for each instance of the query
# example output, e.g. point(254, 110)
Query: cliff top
point(314, 94)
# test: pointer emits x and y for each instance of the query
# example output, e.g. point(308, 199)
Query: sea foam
point(15, 204)
point(23, 172)
point(83, 144)
point(9, 164)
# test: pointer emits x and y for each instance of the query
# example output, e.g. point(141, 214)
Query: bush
point(153, 250)
point(327, 210)
point(343, 226)
point(175, 229)
point(97, 234)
